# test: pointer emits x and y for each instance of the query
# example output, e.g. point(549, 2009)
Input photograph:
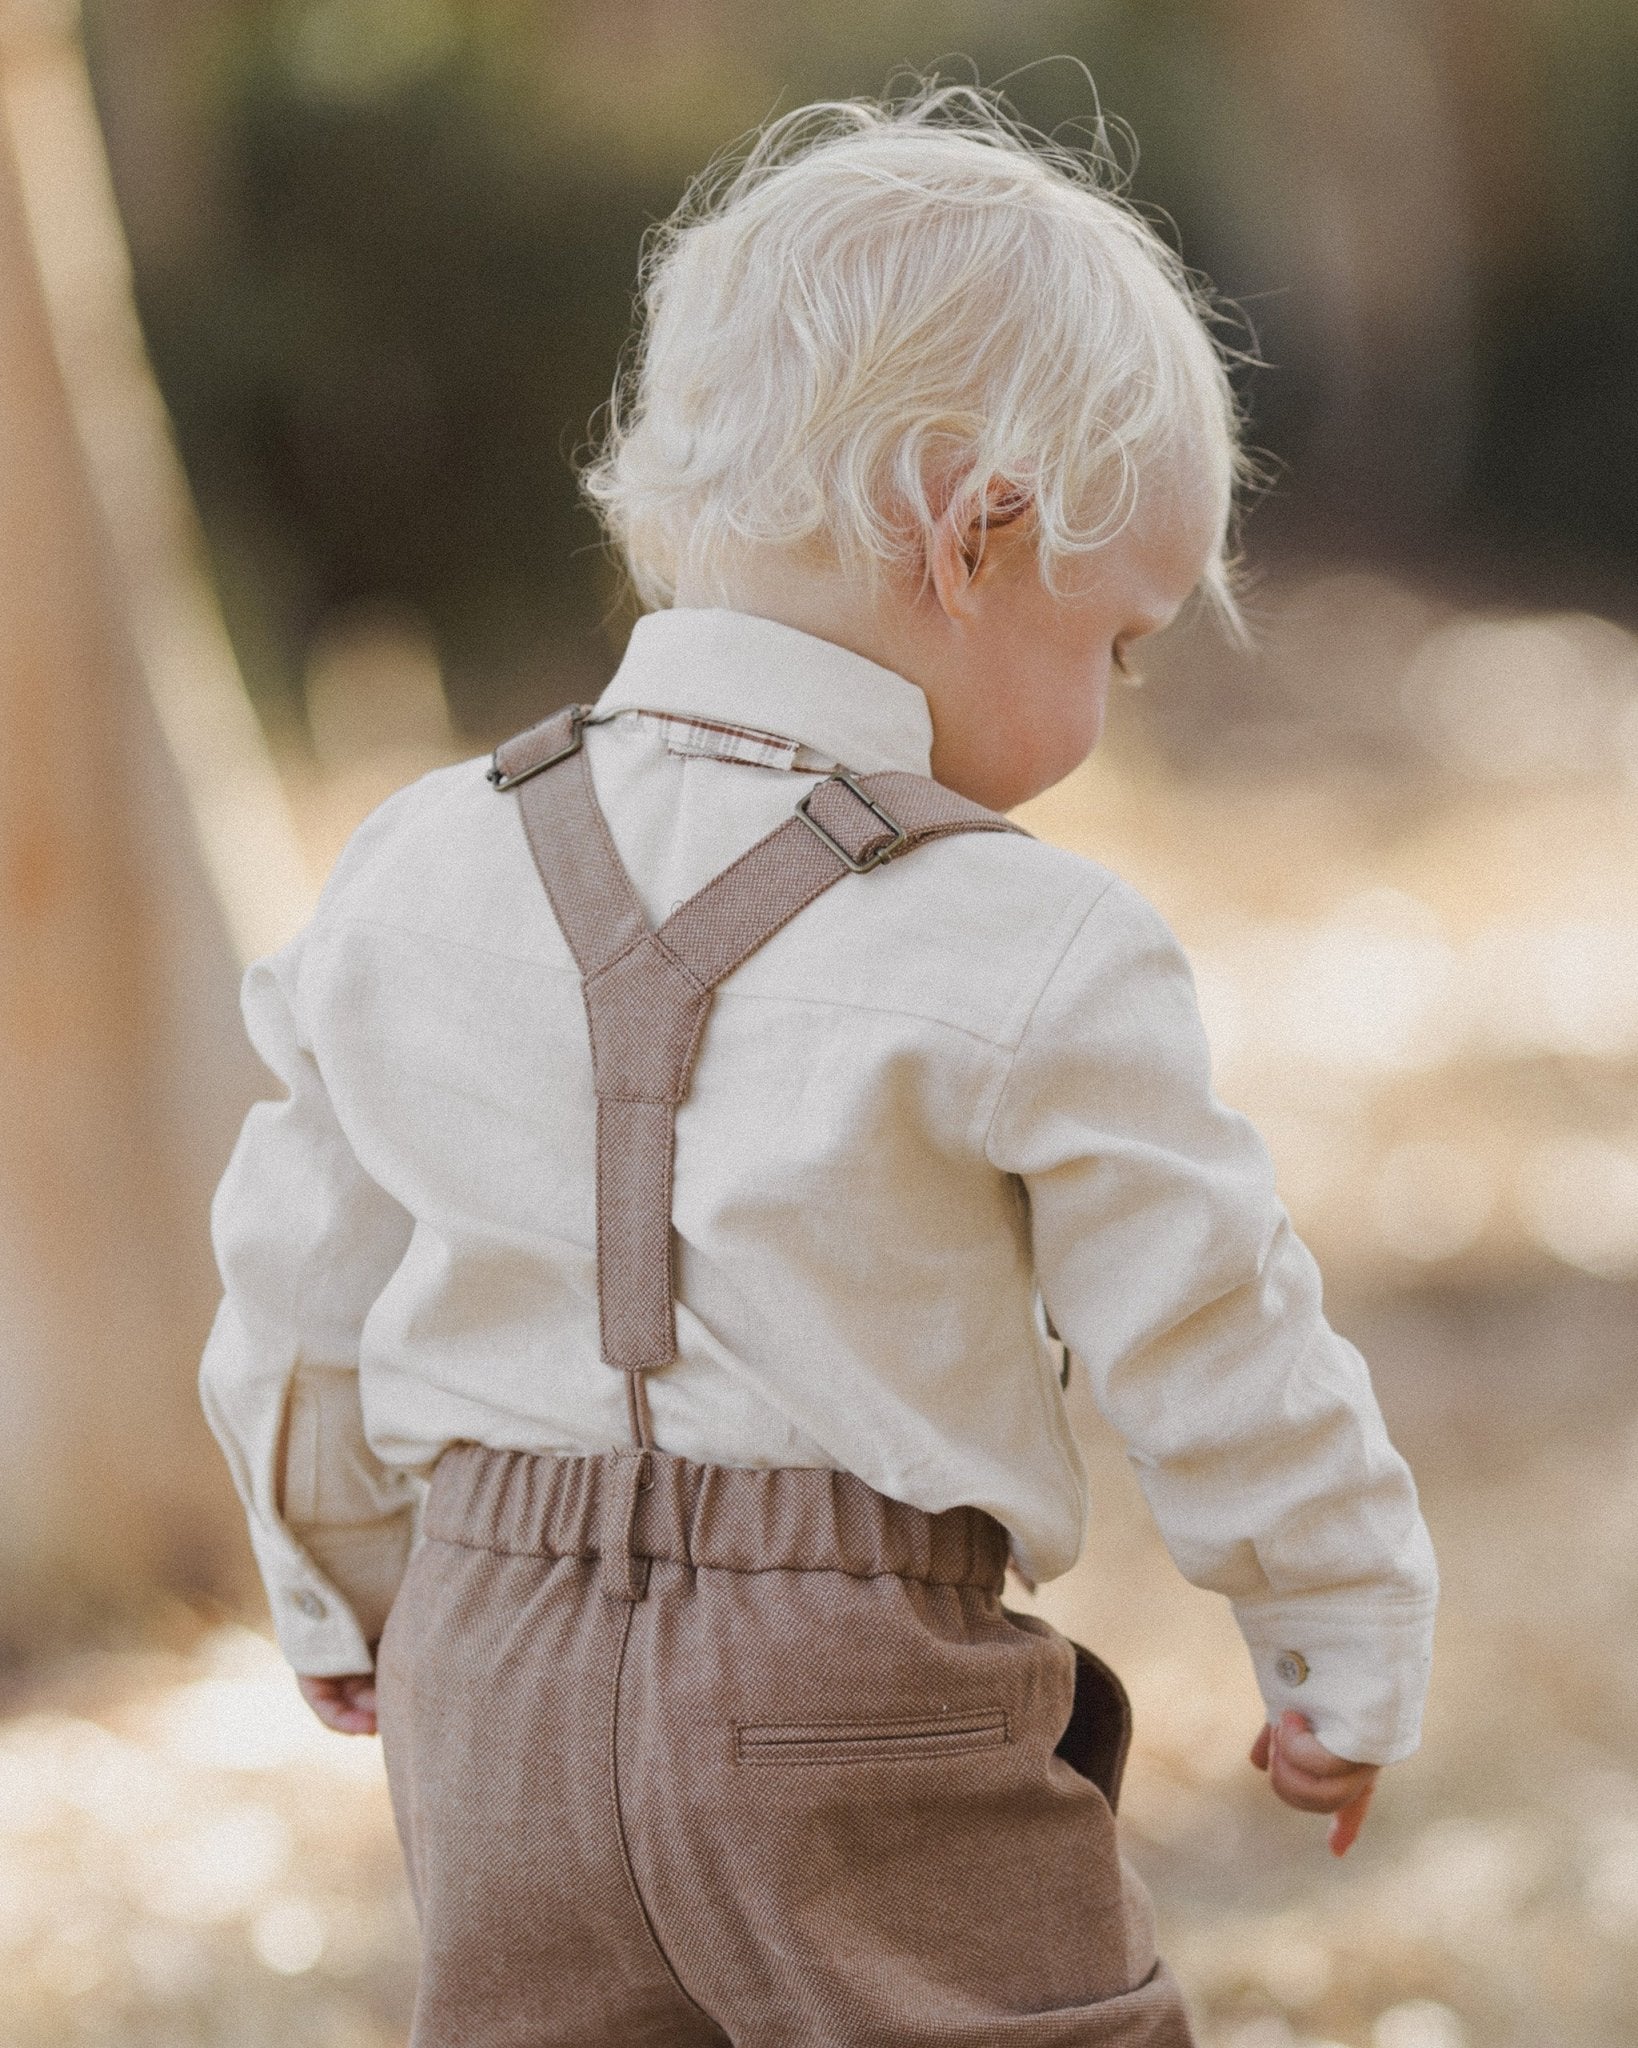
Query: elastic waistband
point(723, 1517)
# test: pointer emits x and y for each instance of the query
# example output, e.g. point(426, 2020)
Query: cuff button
point(311, 1605)
point(1291, 1667)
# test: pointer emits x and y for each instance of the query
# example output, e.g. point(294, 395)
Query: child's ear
point(965, 549)
point(950, 566)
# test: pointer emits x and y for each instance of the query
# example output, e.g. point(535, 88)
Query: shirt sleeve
point(305, 1240)
point(1169, 1265)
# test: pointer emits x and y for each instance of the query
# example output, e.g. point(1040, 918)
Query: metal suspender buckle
point(871, 860)
point(579, 719)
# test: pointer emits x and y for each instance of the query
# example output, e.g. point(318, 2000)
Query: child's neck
point(883, 627)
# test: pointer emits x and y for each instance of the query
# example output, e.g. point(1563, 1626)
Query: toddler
point(636, 1349)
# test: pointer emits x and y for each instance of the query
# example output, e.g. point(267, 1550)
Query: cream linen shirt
point(971, 1074)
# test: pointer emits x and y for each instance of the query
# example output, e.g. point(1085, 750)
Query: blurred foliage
point(386, 251)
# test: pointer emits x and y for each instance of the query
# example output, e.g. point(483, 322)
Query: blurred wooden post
point(144, 853)
point(1359, 152)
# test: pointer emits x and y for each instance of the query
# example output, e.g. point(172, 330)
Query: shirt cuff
point(1360, 1679)
point(318, 1630)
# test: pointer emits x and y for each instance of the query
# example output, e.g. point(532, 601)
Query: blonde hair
point(885, 311)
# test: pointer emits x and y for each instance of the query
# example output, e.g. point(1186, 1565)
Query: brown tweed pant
point(801, 1791)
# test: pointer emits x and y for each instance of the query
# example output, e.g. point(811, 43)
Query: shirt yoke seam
point(569, 972)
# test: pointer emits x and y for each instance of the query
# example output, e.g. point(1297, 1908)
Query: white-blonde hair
point(884, 310)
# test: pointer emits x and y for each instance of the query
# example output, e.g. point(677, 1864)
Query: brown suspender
point(647, 992)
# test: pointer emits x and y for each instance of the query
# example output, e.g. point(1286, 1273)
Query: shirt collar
point(750, 671)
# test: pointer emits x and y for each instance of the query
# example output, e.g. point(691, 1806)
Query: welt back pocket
point(857, 1742)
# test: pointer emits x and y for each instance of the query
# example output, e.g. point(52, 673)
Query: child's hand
point(345, 1704)
point(1304, 1773)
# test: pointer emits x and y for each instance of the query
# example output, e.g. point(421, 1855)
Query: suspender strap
point(647, 992)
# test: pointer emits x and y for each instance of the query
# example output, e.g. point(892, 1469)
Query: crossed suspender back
point(647, 992)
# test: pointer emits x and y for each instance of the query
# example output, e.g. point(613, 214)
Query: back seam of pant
point(620, 1824)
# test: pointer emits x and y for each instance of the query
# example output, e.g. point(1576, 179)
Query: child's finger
point(346, 1705)
point(1260, 1748)
point(1345, 1825)
point(356, 1707)
point(349, 1717)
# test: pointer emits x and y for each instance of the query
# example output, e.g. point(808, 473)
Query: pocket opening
point(821, 1742)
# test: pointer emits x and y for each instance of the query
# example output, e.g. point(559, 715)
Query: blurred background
point(305, 308)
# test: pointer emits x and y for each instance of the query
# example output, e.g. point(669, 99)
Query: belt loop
point(625, 1573)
